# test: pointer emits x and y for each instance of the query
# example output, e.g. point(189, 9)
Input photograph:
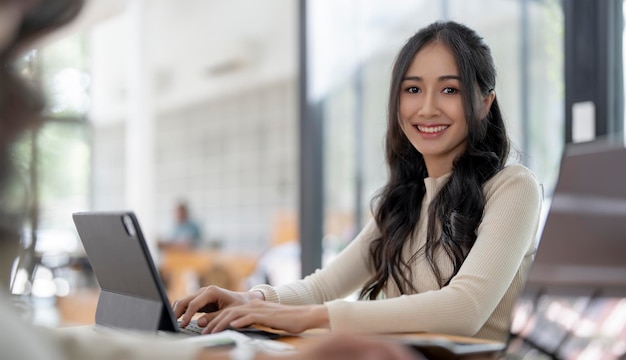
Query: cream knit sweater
point(477, 302)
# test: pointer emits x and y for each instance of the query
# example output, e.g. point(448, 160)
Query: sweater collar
point(433, 185)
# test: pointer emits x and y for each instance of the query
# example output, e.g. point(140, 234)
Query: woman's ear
point(486, 102)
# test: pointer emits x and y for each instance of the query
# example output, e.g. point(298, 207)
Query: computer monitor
point(574, 302)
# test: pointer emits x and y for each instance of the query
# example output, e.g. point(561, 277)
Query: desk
point(312, 337)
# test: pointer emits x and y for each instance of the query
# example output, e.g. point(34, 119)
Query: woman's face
point(431, 108)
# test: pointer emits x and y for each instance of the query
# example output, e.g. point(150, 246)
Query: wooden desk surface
point(310, 337)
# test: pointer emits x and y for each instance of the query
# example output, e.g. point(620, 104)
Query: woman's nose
point(428, 107)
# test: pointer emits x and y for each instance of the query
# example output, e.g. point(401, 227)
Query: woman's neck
point(438, 170)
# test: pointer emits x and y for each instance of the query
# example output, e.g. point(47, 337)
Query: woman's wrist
point(319, 314)
point(256, 295)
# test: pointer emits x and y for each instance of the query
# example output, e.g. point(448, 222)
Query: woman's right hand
point(210, 299)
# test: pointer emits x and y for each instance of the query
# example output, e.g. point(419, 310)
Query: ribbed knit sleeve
point(345, 274)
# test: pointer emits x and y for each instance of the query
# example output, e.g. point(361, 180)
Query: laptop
point(574, 302)
point(132, 294)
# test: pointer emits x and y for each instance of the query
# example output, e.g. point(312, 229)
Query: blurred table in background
point(183, 271)
point(78, 308)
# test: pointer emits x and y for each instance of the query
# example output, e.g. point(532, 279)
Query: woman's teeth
point(432, 129)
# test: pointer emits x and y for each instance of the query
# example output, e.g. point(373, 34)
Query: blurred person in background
point(185, 233)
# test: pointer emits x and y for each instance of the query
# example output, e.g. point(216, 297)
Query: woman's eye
point(450, 90)
point(413, 89)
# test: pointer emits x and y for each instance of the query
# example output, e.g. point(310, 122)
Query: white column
point(140, 145)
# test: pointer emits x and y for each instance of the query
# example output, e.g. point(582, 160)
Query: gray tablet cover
point(132, 294)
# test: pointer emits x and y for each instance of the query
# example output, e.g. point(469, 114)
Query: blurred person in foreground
point(21, 22)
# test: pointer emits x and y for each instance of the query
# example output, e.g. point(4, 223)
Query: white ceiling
point(190, 50)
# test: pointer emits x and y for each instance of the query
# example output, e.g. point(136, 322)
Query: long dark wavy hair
point(457, 210)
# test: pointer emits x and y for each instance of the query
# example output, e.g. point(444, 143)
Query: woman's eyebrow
point(441, 78)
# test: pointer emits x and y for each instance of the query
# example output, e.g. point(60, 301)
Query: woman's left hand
point(290, 318)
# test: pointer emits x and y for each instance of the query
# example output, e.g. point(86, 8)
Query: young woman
point(454, 228)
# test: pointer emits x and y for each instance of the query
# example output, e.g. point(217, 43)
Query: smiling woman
point(454, 227)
